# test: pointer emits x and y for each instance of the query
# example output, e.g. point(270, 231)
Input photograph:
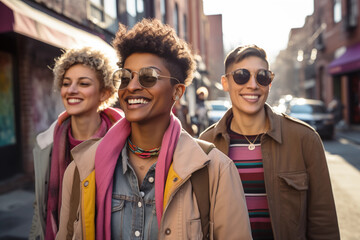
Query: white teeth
point(73, 100)
point(137, 101)
point(251, 96)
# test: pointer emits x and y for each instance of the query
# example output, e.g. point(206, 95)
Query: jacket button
point(175, 179)
point(86, 183)
point(151, 179)
point(168, 231)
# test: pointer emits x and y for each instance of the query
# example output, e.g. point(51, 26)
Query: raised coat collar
point(274, 131)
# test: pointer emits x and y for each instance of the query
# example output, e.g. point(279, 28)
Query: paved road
point(344, 165)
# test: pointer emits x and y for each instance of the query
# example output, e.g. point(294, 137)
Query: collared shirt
point(133, 208)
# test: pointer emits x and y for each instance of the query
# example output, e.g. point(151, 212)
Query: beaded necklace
point(141, 152)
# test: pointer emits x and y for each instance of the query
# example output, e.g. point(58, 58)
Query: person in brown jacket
point(280, 159)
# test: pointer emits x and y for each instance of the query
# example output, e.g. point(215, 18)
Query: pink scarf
point(106, 158)
point(60, 160)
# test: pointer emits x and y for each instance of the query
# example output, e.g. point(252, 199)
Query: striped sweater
point(250, 167)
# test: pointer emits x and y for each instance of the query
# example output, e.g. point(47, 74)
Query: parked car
point(315, 113)
point(283, 103)
point(216, 109)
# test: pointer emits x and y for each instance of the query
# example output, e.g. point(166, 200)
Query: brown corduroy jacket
point(297, 181)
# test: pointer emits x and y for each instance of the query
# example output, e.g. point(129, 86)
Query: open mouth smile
point(73, 100)
point(132, 101)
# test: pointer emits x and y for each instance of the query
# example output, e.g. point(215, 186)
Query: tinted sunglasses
point(147, 77)
point(263, 77)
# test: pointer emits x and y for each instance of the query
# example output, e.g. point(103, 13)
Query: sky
point(266, 23)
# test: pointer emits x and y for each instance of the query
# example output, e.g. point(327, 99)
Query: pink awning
point(348, 62)
point(21, 18)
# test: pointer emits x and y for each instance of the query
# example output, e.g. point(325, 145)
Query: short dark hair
point(242, 52)
point(151, 36)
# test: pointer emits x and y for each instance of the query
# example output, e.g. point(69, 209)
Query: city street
point(344, 165)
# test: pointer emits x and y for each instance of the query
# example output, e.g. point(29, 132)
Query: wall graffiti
point(7, 107)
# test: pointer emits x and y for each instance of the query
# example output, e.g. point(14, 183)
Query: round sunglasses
point(263, 77)
point(147, 77)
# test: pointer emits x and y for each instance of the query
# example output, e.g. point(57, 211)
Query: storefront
point(30, 41)
point(346, 69)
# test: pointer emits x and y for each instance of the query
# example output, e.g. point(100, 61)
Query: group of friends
point(106, 173)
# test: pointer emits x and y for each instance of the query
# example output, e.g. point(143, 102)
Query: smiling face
point(80, 91)
point(249, 98)
point(147, 105)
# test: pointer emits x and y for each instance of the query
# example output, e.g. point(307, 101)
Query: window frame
point(107, 20)
point(337, 11)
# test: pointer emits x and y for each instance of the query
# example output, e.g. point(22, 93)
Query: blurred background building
point(32, 34)
point(322, 58)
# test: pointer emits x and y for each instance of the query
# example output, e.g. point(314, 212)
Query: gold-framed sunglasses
point(147, 77)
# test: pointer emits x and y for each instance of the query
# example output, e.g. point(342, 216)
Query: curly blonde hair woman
point(83, 78)
point(95, 60)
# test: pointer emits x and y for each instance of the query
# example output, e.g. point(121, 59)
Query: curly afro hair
point(94, 59)
point(151, 36)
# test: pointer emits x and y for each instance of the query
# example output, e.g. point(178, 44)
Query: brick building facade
point(323, 57)
point(32, 34)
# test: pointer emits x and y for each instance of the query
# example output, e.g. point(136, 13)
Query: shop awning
point(19, 17)
point(349, 61)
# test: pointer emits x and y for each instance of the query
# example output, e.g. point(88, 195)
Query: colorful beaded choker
point(141, 152)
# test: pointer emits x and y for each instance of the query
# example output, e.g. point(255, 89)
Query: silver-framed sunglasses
point(241, 76)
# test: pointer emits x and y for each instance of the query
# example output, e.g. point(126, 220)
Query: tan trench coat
point(181, 217)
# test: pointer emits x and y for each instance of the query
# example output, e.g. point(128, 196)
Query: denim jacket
point(133, 214)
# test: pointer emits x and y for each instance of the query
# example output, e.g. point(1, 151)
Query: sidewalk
point(351, 134)
point(16, 211)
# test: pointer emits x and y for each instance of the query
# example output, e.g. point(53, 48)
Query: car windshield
point(306, 108)
point(218, 107)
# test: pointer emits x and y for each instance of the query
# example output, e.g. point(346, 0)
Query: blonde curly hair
point(152, 36)
point(92, 58)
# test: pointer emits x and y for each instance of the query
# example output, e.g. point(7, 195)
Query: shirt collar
point(125, 158)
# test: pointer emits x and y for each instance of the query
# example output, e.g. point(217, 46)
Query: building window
point(176, 19)
point(337, 11)
point(103, 13)
point(352, 14)
point(135, 11)
point(185, 27)
point(163, 10)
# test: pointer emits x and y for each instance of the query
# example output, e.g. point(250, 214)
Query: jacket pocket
point(117, 205)
point(296, 180)
point(117, 217)
point(194, 231)
point(293, 203)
